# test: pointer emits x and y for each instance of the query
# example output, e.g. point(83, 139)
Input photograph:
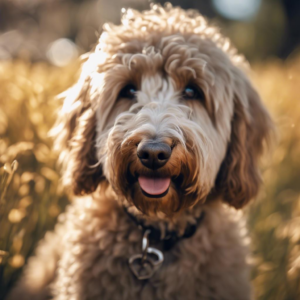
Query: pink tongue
point(154, 186)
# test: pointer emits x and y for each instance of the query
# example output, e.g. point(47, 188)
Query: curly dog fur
point(163, 76)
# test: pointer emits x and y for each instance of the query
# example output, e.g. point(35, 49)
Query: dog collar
point(171, 237)
point(143, 265)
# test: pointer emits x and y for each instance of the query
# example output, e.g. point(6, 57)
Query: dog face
point(164, 114)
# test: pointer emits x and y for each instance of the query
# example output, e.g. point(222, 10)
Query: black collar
point(171, 237)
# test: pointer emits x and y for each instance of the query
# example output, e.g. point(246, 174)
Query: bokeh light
point(237, 9)
point(62, 52)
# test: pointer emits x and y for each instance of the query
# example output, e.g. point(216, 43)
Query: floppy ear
point(239, 177)
point(75, 132)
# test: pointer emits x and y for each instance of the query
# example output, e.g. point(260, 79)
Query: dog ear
point(239, 177)
point(75, 132)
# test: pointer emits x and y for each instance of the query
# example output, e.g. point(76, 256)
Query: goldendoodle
point(160, 140)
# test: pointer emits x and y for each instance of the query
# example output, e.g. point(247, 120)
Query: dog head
point(164, 113)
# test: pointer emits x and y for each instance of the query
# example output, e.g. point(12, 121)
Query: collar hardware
point(144, 265)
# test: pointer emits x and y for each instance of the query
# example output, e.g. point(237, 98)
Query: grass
point(31, 196)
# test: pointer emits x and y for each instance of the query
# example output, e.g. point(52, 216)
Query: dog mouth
point(154, 187)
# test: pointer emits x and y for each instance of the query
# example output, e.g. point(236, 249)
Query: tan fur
point(216, 143)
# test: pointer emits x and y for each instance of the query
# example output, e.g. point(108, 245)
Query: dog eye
point(129, 92)
point(192, 92)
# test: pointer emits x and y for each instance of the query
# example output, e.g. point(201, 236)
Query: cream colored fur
point(216, 144)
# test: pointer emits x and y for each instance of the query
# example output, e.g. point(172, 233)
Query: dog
point(159, 141)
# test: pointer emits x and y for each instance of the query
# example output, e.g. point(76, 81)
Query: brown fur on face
point(184, 190)
point(216, 142)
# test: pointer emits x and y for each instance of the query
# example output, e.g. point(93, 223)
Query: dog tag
point(144, 265)
point(141, 269)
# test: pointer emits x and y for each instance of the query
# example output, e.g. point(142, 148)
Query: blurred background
point(40, 42)
point(58, 30)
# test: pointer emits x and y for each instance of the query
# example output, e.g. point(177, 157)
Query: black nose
point(154, 155)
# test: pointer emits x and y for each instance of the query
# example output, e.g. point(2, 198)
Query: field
point(31, 196)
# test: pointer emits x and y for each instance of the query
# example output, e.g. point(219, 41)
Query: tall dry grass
point(274, 218)
point(32, 196)
point(31, 199)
